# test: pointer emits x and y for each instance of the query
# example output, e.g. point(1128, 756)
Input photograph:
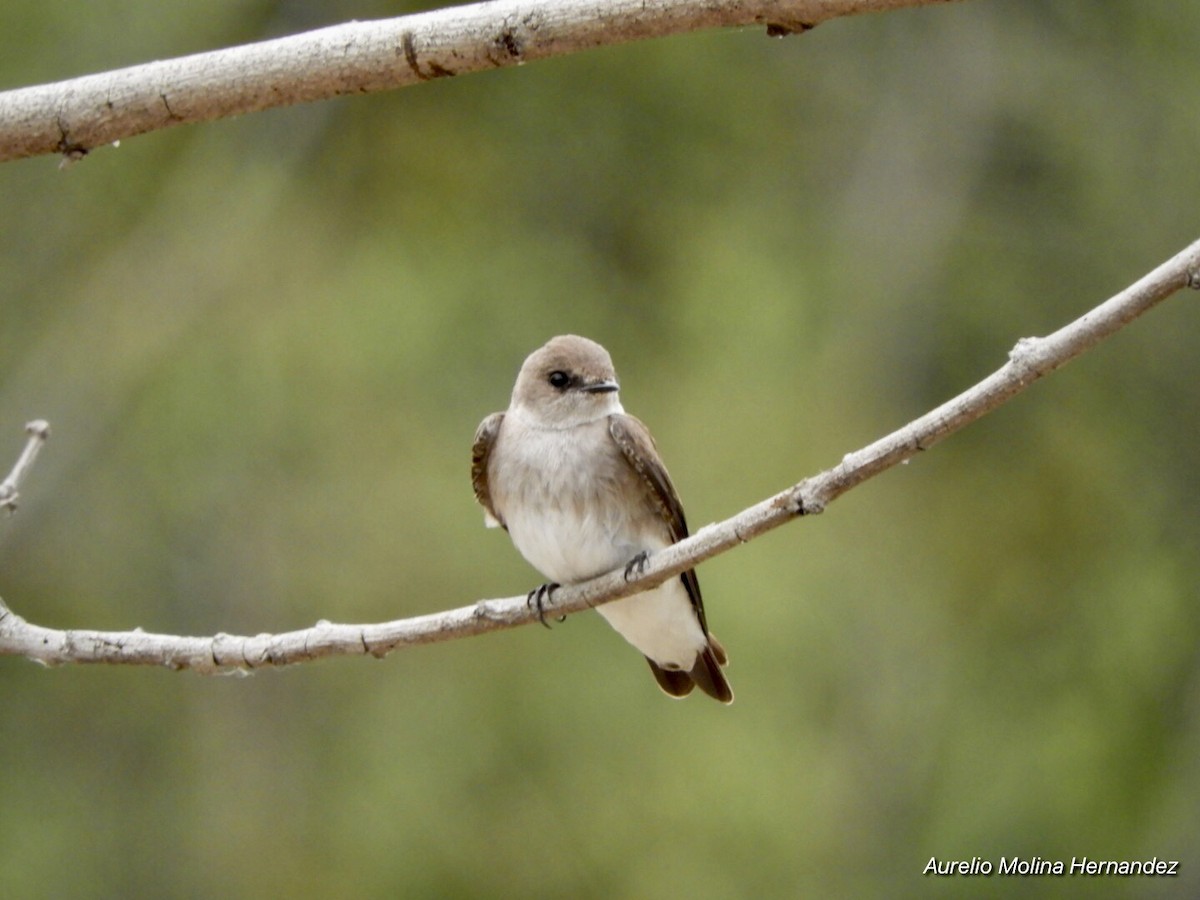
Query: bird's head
point(569, 381)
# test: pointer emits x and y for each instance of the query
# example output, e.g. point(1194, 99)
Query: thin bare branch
point(73, 117)
point(1030, 360)
point(38, 431)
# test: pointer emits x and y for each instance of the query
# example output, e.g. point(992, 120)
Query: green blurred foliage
point(264, 344)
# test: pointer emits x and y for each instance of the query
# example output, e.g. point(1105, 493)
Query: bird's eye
point(559, 379)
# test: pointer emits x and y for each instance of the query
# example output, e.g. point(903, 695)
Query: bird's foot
point(637, 565)
point(538, 596)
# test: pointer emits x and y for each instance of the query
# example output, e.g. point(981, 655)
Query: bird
point(580, 488)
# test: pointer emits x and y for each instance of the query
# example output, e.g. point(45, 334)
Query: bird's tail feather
point(705, 674)
point(674, 682)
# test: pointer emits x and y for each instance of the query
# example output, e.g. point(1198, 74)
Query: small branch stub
point(38, 431)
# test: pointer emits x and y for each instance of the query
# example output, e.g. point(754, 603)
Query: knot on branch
point(783, 29)
point(227, 652)
point(805, 502)
point(508, 47)
point(409, 49)
point(1023, 356)
point(72, 151)
point(484, 610)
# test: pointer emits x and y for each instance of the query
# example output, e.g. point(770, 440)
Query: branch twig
point(73, 117)
point(1031, 359)
point(38, 431)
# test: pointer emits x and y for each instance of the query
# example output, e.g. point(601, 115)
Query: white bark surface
point(73, 117)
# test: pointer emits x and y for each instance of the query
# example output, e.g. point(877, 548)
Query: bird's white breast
point(570, 501)
point(576, 509)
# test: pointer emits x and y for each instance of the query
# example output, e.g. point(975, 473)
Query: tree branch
point(72, 117)
point(1029, 360)
point(38, 431)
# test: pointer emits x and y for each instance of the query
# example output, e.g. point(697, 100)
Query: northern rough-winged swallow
point(580, 487)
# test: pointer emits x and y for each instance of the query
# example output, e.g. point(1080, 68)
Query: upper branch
point(1031, 359)
point(72, 117)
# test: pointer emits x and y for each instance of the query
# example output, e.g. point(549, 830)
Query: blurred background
point(264, 345)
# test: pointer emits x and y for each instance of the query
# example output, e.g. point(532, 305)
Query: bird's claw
point(538, 596)
point(637, 565)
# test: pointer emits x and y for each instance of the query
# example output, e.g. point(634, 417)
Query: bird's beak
point(601, 387)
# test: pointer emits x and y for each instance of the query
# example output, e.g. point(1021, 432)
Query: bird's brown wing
point(481, 451)
point(642, 455)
